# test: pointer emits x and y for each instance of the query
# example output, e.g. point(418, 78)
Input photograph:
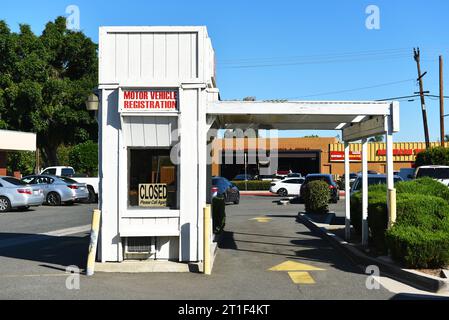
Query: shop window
point(153, 179)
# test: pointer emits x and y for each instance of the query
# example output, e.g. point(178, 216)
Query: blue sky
point(303, 50)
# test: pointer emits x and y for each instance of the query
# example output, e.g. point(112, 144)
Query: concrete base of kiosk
point(137, 266)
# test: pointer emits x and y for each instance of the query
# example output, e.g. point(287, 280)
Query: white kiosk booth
point(158, 99)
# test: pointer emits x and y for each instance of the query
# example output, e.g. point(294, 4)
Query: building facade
point(310, 155)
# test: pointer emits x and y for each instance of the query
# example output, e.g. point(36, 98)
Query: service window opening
point(153, 179)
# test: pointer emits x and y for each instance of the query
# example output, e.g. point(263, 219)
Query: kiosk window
point(153, 181)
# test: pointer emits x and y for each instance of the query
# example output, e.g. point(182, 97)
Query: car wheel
point(5, 204)
point(53, 199)
point(237, 199)
point(283, 192)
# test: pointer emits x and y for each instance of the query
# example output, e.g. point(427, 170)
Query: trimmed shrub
point(253, 185)
point(415, 247)
point(424, 186)
point(433, 156)
point(316, 197)
point(218, 214)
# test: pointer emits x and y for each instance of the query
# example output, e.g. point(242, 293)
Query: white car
point(439, 173)
point(286, 187)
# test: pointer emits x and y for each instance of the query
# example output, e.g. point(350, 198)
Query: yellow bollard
point(206, 240)
point(93, 242)
point(391, 207)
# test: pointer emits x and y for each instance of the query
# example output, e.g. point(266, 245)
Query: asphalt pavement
point(259, 235)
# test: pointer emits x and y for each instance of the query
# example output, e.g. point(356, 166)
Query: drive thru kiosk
point(158, 99)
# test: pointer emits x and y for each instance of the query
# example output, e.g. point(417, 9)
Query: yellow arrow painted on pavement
point(297, 271)
point(262, 219)
point(294, 266)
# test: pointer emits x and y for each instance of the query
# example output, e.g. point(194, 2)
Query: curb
point(410, 277)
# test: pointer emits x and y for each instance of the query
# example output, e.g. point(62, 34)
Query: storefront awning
point(17, 141)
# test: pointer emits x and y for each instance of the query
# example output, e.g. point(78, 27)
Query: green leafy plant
point(433, 156)
point(253, 185)
point(316, 197)
point(84, 158)
point(417, 247)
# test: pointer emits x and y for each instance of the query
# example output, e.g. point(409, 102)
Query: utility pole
point(441, 103)
point(421, 93)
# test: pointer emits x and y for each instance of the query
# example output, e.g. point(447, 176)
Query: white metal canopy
point(355, 119)
point(358, 120)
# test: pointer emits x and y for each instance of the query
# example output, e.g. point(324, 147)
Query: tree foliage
point(44, 81)
point(433, 156)
point(84, 158)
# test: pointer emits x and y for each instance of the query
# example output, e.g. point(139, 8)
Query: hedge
point(218, 214)
point(253, 185)
point(415, 247)
point(316, 197)
point(417, 209)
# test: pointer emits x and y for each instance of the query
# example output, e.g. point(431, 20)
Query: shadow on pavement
point(50, 251)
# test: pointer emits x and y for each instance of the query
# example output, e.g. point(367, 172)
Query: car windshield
point(67, 172)
point(374, 181)
point(14, 181)
point(435, 173)
point(67, 180)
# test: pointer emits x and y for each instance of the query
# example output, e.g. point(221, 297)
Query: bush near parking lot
point(422, 222)
point(218, 214)
point(415, 247)
point(433, 156)
point(253, 185)
point(316, 197)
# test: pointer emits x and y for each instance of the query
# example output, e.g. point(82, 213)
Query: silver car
point(17, 194)
point(59, 190)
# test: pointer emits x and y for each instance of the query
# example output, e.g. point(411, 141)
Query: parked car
point(65, 171)
point(286, 187)
point(17, 194)
point(59, 190)
point(222, 187)
point(373, 179)
point(243, 177)
point(328, 178)
point(352, 178)
point(294, 175)
point(439, 173)
point(406, 173)
point(271, 177)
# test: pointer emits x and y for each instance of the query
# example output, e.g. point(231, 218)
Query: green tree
point(84, 158)
point(433, 156)
point(376, 139)
point(44, 81)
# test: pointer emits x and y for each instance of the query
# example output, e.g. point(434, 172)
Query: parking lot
point(37, 246)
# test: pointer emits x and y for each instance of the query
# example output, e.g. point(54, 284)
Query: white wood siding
point(130, 57)
point(149, 131)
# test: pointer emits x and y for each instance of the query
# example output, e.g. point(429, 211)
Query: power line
point(354, 89)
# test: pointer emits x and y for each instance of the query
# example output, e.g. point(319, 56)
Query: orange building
point(308, 155)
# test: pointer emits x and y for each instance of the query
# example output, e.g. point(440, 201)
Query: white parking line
point(43, 236)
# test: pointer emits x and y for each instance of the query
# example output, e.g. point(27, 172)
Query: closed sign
point(153, 195)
